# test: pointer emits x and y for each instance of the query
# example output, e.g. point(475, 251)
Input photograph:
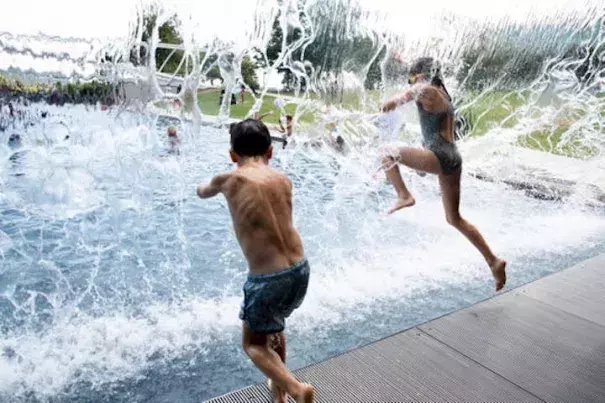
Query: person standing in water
point(173, 140)
point(438, 156)
point(242, 93)
point(260, 202)
point(289, 126)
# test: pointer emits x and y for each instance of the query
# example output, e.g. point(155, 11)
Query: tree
point(274, 51)
point(332, 46)
point(274, 46)
point(211, 69)
point(374, 77)
point(249, 73)
point(168, 34)
point(519, 57)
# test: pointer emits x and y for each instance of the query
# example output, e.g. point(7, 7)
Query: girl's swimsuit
point(446, 151)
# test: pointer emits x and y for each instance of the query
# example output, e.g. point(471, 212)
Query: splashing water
point(118, 284)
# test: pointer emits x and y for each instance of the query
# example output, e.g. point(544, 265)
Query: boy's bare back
point(260, 202)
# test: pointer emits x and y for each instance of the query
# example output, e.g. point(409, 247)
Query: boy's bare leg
point(279, 396)
point(278, 344)
point(270, 363)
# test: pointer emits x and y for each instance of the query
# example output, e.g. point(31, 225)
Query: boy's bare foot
point(279, 396)
point(402, 203)
point(307, 394)
point(498, 268)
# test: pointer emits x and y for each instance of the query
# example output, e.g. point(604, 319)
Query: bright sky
point(66, 18)
point(227, 19)
point(111, 17)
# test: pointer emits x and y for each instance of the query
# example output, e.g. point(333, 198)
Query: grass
point(502, 109)
point(485, 112)
point(552, 140)
point(352, 100)
point(208, 102)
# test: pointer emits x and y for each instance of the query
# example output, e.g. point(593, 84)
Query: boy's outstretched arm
point(213, 188)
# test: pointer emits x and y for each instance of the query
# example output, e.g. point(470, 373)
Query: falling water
point(118, 284)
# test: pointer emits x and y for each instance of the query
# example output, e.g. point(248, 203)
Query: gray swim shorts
point(270, 298)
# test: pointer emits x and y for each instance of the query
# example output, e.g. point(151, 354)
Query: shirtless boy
point(260, 202)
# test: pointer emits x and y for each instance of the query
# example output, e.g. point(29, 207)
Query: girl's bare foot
point(402, 202)
point(279, 396)
point(498, 268)
point(306, 395)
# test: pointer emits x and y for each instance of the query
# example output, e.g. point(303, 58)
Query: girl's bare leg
point(450, 193)
point(415, 158)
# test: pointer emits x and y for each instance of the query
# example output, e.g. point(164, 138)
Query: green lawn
point(493, 109)
point(485, 112)
point(489, 110)
point(349, 100)
point(503, 109)
point(209, 104)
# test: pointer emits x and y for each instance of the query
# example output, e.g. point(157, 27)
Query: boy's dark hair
point(288, 117)
point(249, 138)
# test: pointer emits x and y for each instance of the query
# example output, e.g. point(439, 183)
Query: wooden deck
point(544, 341)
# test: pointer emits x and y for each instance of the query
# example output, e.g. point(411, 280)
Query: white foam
point(343, 288)
point(111, 347)
point(361, 262)
point(5, 242)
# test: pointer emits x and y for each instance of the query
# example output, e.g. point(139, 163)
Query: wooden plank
point(550, 353)
point(579, 290)
point(410, 367)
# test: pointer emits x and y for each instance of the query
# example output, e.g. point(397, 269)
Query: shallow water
point(118, 284)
